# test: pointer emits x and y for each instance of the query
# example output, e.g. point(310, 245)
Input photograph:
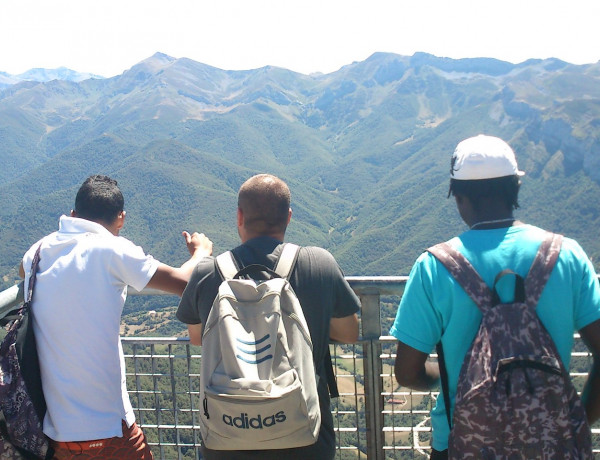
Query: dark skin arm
point(413, 370)
point(591, 391)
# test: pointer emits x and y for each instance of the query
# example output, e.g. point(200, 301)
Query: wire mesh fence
point(163, 377)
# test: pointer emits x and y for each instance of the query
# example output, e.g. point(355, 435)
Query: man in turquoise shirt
point(434, 308)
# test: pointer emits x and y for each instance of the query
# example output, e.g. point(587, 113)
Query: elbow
point(344, 330)
point(412, 370)
point(404, 378)
point(352, 337)
point(344, 338)
point(423, 380)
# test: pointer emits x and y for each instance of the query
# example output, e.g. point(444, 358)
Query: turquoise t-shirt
point(434, 307)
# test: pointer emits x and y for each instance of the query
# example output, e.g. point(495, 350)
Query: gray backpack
point(514, 398)
point(258, 384)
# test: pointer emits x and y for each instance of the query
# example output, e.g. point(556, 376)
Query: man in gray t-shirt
point(329, 304)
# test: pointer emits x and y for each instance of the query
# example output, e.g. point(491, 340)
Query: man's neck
point(486, 224)
point(250, 236)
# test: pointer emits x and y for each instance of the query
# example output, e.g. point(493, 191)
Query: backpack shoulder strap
point(33, 275)
point(226, 265)
point(464, 274)
point(542, 267)
point(287, 260)
point(468, 278)
point(285, 265)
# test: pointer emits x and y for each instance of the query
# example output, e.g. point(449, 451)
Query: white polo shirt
point(78, 299)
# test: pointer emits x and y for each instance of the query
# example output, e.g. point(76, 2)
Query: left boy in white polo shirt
point(81, 287)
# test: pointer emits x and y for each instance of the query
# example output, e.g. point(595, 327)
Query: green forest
point(365, 151)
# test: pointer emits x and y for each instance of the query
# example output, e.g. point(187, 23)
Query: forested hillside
point(365, 150)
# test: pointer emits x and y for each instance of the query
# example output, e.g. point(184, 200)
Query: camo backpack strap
point(464, 274)
point(542, 267)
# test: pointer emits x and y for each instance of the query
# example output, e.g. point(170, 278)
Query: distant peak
point(159, 55)
point(159, 58)
point(153, 63)
point(380, 55)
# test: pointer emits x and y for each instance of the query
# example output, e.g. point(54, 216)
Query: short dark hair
point(99, 199)
point(504, 188)
point(265, 202)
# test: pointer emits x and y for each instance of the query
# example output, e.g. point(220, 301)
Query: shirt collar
point(69, 224)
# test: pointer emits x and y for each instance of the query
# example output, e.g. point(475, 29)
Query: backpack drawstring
point(205, 405)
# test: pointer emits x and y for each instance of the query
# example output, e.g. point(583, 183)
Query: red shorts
point(132, 446)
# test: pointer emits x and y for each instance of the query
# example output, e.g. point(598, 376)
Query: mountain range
point(366, 150)
point(45, 75)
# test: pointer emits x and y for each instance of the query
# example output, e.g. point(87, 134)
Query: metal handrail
point(367, 285)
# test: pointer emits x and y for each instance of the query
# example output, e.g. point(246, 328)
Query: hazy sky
point(106, 37)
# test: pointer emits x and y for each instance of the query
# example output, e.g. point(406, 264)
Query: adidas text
point(257, 423)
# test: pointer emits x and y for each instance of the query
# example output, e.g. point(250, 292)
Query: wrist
point(200, 253)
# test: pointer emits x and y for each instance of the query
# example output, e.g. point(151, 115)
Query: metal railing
point(374, 417)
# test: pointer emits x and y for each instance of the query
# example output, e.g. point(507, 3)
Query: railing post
point(371, 332)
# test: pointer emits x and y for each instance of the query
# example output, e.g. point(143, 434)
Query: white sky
point(107, 37)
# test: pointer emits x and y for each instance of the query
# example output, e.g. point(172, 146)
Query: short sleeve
point(347, 302)
point(131, 265)
point(587, 302)
point(323, 264)
point(199, 294)
point(187, 312)
point(418, 324)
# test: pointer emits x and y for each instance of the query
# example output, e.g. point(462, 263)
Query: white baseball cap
point(483, 157)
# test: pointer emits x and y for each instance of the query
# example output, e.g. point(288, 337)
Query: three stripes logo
point(255, 355)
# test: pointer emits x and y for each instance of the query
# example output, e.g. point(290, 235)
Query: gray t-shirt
point(323, 293)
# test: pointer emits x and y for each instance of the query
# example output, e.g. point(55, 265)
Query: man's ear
point(120, 220)
point(289, 216)
point(240, 217)
point(73, 213)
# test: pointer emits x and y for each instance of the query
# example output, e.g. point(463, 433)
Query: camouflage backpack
point(514, 398)
point(22, 403)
